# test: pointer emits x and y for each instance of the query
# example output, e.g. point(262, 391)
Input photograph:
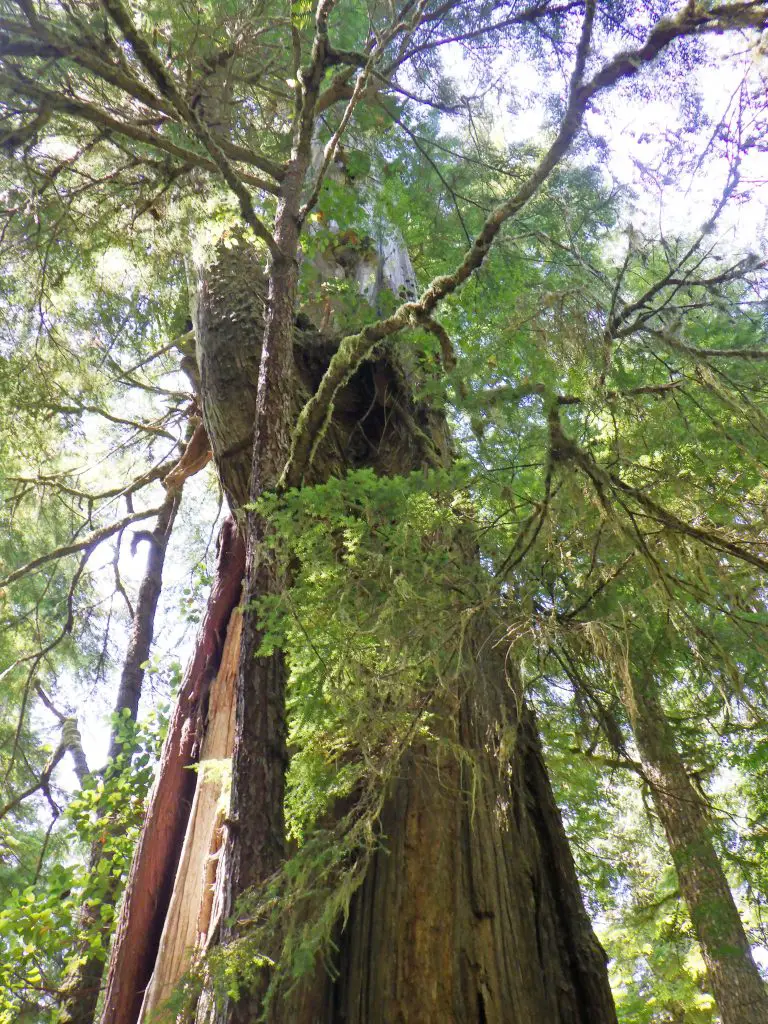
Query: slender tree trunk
point(143, 627)
point(82, 987)
point(736, 983)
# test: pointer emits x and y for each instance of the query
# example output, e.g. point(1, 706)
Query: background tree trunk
point(83, 985)
point(736, 983)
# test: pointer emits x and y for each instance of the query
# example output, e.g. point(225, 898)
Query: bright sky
point(645, 139)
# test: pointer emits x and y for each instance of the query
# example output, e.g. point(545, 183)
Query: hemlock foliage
point(603, 519)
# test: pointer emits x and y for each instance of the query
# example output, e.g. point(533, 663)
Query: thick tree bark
point(471, 914)
point(474, 911)
point(82, 987)
point(736, 983)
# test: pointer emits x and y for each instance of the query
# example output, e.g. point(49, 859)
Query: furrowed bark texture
point(82, 987)
point(473, 913)
point(260, 756)
point(153, 870)
point(736, 983)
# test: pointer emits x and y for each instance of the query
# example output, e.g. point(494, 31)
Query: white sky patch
point(642, 135)
point(174, 635)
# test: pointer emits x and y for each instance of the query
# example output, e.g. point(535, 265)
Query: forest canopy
point(384, 477)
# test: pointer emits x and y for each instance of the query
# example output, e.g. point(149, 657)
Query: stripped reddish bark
point(150, 882)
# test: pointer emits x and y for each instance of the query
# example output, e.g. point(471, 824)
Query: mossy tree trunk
point(736, 983)
point(473, 910)
point(473, 913)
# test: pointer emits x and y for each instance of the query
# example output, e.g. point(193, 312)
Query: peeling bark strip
point(188, 921)
point(738, 989)
point(154, 865)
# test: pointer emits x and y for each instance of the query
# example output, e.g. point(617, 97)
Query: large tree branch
point(147, 57)
point(61, 43)
point(138, 425)
point(353, 349)
point(84, 111)
point(54, 481)
point(605, 481)
point(55, 43)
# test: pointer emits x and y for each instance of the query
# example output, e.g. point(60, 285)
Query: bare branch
point(88, 543)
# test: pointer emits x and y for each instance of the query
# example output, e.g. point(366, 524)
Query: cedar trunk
point(471, 912)
point(736, 983)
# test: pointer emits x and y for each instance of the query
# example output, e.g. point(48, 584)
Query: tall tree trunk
point(82, 986)
point(143, 626)
point(736, 983)
point(473, 913)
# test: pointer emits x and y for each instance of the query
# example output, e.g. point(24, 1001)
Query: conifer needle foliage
point(589, 507)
